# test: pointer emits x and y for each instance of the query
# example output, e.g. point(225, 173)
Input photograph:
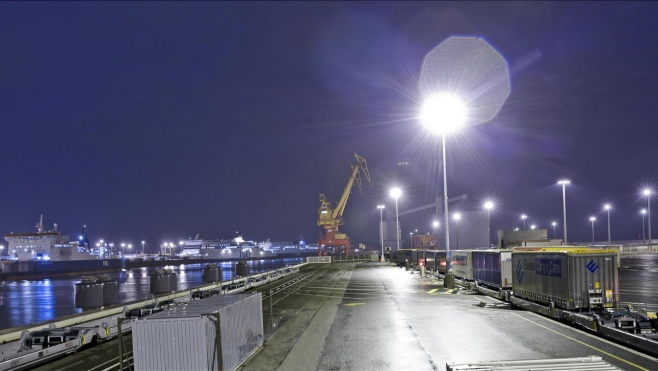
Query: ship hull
point(41, 269)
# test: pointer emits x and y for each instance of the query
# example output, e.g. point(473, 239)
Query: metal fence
point(340, 258)
point(639, 249)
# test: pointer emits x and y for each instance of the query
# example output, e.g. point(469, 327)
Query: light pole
point(411, 239)
point(130, 246)
point(592, 219)
point(143, 242)
point(523, 217)
point(533, 227)
point(563, 183)
point(554, 234)
point(123, 249)
point(442, 114)
point(2, 247)
point(488, 206)
point(396, 193)
point(435, 226)
point(457, 217)
point(381, 230)
point(607, 209)
point(643, 212)
point(647, 192)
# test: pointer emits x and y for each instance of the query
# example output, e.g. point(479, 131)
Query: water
point(31, 301)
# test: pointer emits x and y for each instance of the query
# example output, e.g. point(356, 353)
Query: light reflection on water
point(31, 301)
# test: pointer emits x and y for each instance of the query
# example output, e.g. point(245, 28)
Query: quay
point(374, 316)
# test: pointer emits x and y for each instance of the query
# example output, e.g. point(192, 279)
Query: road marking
point(585, 344)
point(432, 291)
point(354, 304)
point(449, 291)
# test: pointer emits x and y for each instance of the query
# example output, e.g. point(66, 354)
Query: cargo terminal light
point(647, 192)
point(381, 229)
point(606, 207)
point(563, 183)
point(396, 193)
point(488, 206)
point(592, 219)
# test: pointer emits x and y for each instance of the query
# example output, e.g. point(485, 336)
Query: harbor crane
point(331, 217)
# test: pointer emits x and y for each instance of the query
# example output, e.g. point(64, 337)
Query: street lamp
point(143, 242)
point(396, 193)
point(381, 230)
point(123, 249)
point(130, 246)
point(592, 219)
point(457, 217)
point(643, 212)
point(606, 207)
point(488, 206)
point(411, 239)
point(442, 114)
point(523, 217)
point(2, 247)
point(647, 192)
point(533, 227)
point(554, 234)
point(563, 183)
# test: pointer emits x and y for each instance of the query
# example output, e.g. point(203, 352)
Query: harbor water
point(26, 302)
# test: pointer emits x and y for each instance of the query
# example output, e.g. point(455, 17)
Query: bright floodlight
point(468, 68)
point(457, 216)
point(533, 226)
point(396, 192)
point(591, 218)
point(488, 205)
point(443, 113)
point(435, 224)
point(643, 211)
point(554, 224)
point(524, 216)
point(516, 229)
point(606, 206)
point(564, 181)
point(646, 192)
point(381, 206)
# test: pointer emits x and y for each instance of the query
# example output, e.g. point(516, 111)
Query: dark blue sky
point(162, 120)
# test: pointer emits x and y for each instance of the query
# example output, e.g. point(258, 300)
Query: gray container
point(211, 273)
point(110, 290)
point(435, 260)
point(88, 293)
point(160, 282)
point(492, 268)
point(462, 264)
point(185, 337)
point(564, 277)
point(399, 257)
point(417, 256)
point(242, 269)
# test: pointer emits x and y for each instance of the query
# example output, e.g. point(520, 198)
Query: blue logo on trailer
point(519, 271)
point(592, 266)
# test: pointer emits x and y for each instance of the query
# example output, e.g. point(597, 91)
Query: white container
point(186, 337)
point(462, 264)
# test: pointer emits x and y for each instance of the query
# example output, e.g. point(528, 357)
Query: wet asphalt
point(373, 316)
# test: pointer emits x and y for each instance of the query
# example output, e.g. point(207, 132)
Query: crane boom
point(330, 217)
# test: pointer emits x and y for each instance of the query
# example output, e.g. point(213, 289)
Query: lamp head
point(643, 211)
point(396, 192)
point(564, 181)
point(381, 206)
point(646, 192)
point(591, 218)
point(533, 226)
point(435, 224)
point(524, 216)
point(606, 206)
point(443, 113)
point(457, 216)
point(488, 205)
point(554, 224)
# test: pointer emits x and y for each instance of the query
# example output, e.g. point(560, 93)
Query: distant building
point(526, 237)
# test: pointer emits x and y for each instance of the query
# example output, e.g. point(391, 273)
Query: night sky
point(159, 121)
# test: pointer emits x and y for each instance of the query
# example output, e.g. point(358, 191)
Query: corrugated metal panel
point(563, 277)
point(592, 363)
point(183, 338)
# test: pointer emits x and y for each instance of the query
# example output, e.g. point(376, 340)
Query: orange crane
point(331, 217)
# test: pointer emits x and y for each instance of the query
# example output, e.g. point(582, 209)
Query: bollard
point(449, 281)
point(422, 271)
point(406, 265)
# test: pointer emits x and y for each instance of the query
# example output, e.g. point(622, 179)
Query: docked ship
point(49, 253)
point(238, 248)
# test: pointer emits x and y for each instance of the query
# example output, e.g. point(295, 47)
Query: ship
point(49, 253)
point(238, 248)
